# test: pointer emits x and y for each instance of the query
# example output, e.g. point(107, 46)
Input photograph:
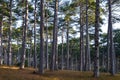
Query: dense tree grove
point(60, 35)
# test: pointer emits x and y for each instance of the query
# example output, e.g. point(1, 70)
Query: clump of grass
point(14, 73)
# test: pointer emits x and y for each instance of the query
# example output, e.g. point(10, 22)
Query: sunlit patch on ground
point(9, 67)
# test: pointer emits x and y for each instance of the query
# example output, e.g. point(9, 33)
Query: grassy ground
point(13, 73)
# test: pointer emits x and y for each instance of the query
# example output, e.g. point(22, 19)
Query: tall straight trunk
point(87, 57)
point(56, 50)
point(68, 46)
point(81, 43)
point(35, 56)
point(108, 50)
point(96, 59)
point(1, 47)
point(62, 60)
point(47, 58)
point(9, 41)
point(22, 65)
point(41, 55)
point(112, 53)
point(54, 44)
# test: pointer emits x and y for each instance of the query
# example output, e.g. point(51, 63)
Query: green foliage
point(4, 9)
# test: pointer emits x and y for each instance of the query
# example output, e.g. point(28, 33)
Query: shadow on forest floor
point(14, 73)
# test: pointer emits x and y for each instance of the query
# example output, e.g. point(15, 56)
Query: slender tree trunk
point(22, 65)
point(80, 46)
point(112, 53)
point(81, 43)
point(56, 39)
point(41, 58)
point(47, 57)
point(62, 60)
point(96, 58)
point(1, 47)
point(108, 50)
point(87, 57)
point(68, 63)
point(35, 56)
point(9, 41)
point(54, 44)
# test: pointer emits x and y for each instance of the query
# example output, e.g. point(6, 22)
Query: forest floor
point(14, 73)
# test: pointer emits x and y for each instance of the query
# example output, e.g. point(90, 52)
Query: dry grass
point(13, 73)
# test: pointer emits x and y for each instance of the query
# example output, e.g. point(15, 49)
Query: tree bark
point(41, 58)
point(34, 55)
point(54, 44)
point(108, 50)
point(47, 55)
point(81, 42)
point(1, 47)
point(87, 57)
point(9, 41)
point(5, 56)
point(112, 53)
point(22, 65)
point(62, 60)
point(96, 57)
point(68, 54)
